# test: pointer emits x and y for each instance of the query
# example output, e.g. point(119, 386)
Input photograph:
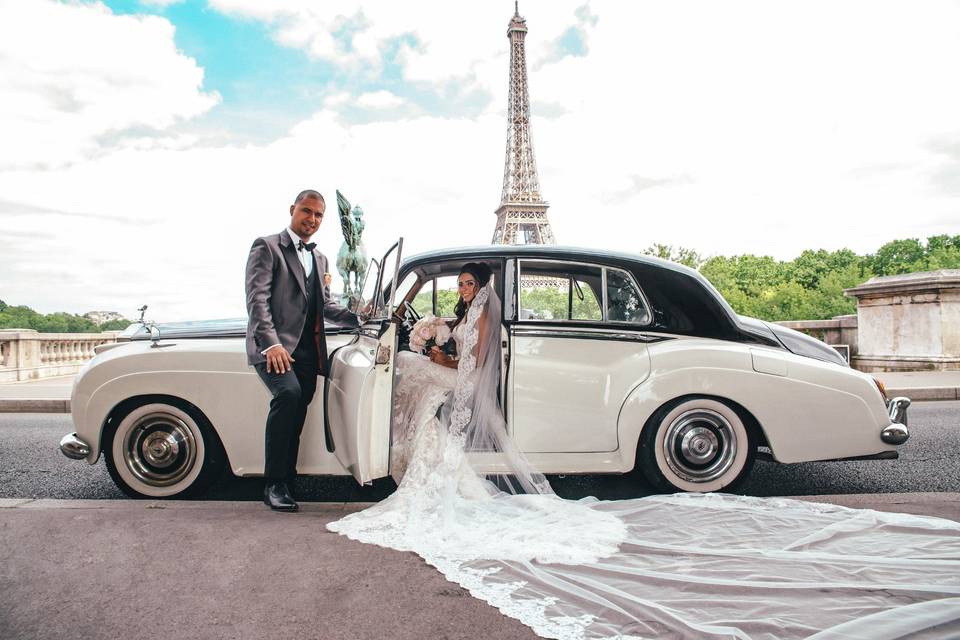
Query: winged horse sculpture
point(352, 258)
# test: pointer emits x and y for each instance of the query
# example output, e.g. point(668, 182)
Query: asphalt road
point(31, 466)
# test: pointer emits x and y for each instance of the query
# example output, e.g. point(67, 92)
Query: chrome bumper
point(897, 432)
point(74, 447)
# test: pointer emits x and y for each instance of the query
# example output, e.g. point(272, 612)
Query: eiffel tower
point(522, 214)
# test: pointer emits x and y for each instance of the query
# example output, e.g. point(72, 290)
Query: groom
point(286, 304)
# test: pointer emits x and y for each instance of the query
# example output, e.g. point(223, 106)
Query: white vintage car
point(613, 363)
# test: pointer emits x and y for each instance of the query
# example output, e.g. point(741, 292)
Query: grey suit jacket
point(276, 294)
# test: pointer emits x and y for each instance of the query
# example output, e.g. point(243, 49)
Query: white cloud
point(380, 100)
point(89, 76)
point(734, 127)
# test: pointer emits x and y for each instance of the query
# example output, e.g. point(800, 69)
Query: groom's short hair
point(309, 193)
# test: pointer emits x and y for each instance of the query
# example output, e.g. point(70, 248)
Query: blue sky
point(267, 87)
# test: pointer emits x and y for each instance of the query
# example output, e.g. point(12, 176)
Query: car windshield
point(369, 299)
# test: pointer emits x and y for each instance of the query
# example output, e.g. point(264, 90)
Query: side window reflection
point(624, 303)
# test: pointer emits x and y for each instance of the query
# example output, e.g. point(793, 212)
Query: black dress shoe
point(277, 496)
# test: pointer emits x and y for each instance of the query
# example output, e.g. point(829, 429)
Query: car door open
point(359, 389)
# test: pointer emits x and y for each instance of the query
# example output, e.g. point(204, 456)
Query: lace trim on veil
point(461, 414)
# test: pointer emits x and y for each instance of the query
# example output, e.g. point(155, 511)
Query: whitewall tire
point(162, 450)
point(696, 444)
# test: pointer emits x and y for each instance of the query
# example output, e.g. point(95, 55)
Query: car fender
point(806, 410)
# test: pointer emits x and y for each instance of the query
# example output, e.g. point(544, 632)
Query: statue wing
point(346, 220)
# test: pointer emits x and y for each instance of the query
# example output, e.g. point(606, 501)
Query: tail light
point(882, 388)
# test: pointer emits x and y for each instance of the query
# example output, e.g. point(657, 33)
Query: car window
point(624, 302)
point(447, 296)
point(585, 303)
point(406, 285)
point(559, 291)
point(423, 301)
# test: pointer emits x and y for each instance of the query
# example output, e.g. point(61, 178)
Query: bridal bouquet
point(429, 332)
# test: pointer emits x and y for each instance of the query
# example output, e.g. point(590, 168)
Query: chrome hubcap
point(160, 449)
point(700, 445)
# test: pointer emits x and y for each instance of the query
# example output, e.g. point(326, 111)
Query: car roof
point(545, 251)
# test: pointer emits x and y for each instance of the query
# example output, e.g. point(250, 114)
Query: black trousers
point(292, 392)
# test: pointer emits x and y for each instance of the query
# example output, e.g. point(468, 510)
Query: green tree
point(22, 317)
point(943, 252)
point(115, 325)
point(898, 256)
point(18, 317)
point(810, 266)
point(681, 255)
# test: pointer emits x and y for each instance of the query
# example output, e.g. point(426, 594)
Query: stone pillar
point(22, 361)
point(909, 322)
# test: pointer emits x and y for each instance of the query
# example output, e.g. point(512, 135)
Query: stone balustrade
point(26, 354)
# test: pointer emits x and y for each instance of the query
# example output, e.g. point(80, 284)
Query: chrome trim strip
point(586, 333)
point(604, 312)
point(74, 447)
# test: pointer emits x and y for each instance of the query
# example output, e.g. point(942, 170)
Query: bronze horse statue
point(352, 258)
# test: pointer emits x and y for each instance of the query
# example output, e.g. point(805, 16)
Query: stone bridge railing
point(28, 355)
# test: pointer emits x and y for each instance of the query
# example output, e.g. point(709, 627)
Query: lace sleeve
point(478, 352)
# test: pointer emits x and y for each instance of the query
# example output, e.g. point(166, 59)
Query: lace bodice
point(459, 335)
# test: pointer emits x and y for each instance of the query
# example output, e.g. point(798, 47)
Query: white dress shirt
point(306, 257)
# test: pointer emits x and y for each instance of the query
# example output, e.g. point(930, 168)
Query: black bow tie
point(308, 246)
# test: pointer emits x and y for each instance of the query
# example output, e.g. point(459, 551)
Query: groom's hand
point(278, 360)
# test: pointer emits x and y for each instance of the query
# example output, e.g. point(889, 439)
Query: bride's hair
point(482, 273)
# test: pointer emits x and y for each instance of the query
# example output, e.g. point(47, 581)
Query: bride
point(681, 566)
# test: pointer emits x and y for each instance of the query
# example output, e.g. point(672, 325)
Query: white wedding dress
point(679, 566)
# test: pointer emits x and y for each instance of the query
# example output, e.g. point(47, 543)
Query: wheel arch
point(667, 385)
point(749, 420)
point(224, 399)
point(125, 406)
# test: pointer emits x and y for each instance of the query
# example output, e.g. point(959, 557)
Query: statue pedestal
point(909, 322)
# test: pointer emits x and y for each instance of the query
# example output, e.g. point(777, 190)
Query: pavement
point(52, 395)
point(209, 569)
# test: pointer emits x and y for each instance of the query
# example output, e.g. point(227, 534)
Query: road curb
point(926, 393)
point(34, 405)
point(137, 505)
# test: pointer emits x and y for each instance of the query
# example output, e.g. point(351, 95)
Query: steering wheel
point(412, 313)
point(406, 315)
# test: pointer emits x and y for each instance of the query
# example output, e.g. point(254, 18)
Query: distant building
point(100, 317)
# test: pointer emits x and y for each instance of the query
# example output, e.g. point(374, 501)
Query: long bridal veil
point(681, 566)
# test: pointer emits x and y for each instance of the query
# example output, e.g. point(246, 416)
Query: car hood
point(223, 328)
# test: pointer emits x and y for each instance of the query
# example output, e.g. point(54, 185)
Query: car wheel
point(696, 444)
point(162, 449)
